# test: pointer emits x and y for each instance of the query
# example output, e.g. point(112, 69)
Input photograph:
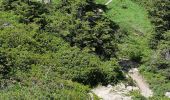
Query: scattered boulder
point(100, 10)
point(109, 86)
point(167, 94)
point(127, 76)
point(117, 92)
point(4, 25)
point(119, 87)
point(129, 88)
point(132, 88)
point(167, 55)
point(135, 70)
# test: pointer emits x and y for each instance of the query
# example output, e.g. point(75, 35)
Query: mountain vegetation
point(60, 50)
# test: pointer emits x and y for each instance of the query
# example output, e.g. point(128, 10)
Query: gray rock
point(167, 55)
point(129, 88)
point(6, 24)
point(109, 86)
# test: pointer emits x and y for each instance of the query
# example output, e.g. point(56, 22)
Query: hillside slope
point(63, 49)
point(135, 17)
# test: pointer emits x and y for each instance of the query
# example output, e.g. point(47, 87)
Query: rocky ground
point(118, 92)
point(121, 91)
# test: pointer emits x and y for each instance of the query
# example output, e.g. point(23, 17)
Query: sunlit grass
point(129, 15)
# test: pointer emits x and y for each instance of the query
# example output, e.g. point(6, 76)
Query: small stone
point(129, 88)
point(6, 24)
point(127, 76)
point(135, 70)
point(100, 10)
point(109, 86)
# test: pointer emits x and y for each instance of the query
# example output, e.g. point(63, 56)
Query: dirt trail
point(140, 82)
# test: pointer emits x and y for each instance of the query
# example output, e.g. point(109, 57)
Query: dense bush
point(81, 23)
point(53, 88)
point(86, 27)
point(161, 15)
point(162, 57)
point(25, 49)
point(159, 12)
point(28, 11)
point(42, 48)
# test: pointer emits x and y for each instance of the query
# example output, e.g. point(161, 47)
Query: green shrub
point(82, 25)
point(137, 96)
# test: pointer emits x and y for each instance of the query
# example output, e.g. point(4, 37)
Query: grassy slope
point(130, 18)
point(134, 20)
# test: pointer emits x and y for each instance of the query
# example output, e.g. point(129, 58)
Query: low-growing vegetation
point(55, 51)
point(62, 49)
